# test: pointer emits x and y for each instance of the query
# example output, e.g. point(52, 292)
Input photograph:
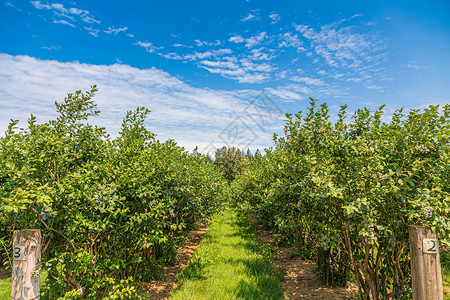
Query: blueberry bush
point(111, 211)
point(344, 192)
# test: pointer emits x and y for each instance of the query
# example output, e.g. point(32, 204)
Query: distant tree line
point(230, 160)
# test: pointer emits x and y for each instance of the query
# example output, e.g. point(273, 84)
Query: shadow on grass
point(264, 288)
point(265, 284)
point(194, 270)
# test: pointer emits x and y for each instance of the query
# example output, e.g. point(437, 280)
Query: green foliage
point(110, 211)
point(229, 161)
point(344, 193)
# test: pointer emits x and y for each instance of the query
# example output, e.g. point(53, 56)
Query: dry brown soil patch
point(300, 281)
point(163, 289)
point(4, 273)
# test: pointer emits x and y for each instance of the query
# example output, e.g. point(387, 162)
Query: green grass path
point(230, 264)
point(5, 289)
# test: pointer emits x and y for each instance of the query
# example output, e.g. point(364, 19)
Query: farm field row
point(113, 211)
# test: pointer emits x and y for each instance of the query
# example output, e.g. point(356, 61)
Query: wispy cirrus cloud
point(275, 18)
point(236, 38)
point(115, 31)
point(247, 68)
point(249, 17)
point(353, 55)
point(255, 59)
point(342, 46)
point(308, 80)
point(148, 46)
point(255, 39)
point(251, 41)
point(290, 39)
point(243, 70)
point(285, 93)
point(63, 22)
point(92, 31)
point(89, 19)
point(52, 48)
point(200, 43)
point(178, 45)
point(415, 66)
point(252, 16)
point(71, 13)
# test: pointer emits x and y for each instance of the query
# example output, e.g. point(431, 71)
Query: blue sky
point(200, 65)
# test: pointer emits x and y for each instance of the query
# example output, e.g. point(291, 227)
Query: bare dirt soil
point(4, 273)
point(300, 281)
point(163, 289)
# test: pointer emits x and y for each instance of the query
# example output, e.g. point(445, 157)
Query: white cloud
point(258, 54)
point(242, 71)
point(89, 19)
point(171, 55)
point(92, 31)
point(245, 67)
point(290, 39)
point(149, 47)
point(51, 48)
point(242, 68)
point(415, 66)
point(181, 46)
point(251, 41)
point(275, 18)
point(349, 50)
point(76, 11)
point(255, 40)
point(374, 87)
point(236, 39)
point(202, 55)
point(308, 80)
point(192, 116)
point(285, 94)
point(200, 43)
point(70, 13)
point(342, 46)
point(39, 5)
point(115, 31)
point(248, 17)
point(63, 22)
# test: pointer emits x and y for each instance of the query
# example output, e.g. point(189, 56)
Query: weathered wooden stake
point(25, 279)
point(425, 264)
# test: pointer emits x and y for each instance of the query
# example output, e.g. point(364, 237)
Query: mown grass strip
point(230, 264)
point(5, 289)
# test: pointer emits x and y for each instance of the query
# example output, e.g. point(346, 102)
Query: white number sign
point(19, 253)
point(430, 246)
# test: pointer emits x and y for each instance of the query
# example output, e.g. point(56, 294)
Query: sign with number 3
point(19, 253)
point(430, 246)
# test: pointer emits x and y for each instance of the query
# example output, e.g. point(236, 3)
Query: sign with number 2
point(430, 246)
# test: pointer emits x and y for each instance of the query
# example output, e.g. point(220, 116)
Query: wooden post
point(425, 264)
point(26, 279)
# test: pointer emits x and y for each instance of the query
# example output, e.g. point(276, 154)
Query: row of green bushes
point(344, 192)
point(110, 210)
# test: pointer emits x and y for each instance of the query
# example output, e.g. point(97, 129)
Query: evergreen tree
point(229, 160)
